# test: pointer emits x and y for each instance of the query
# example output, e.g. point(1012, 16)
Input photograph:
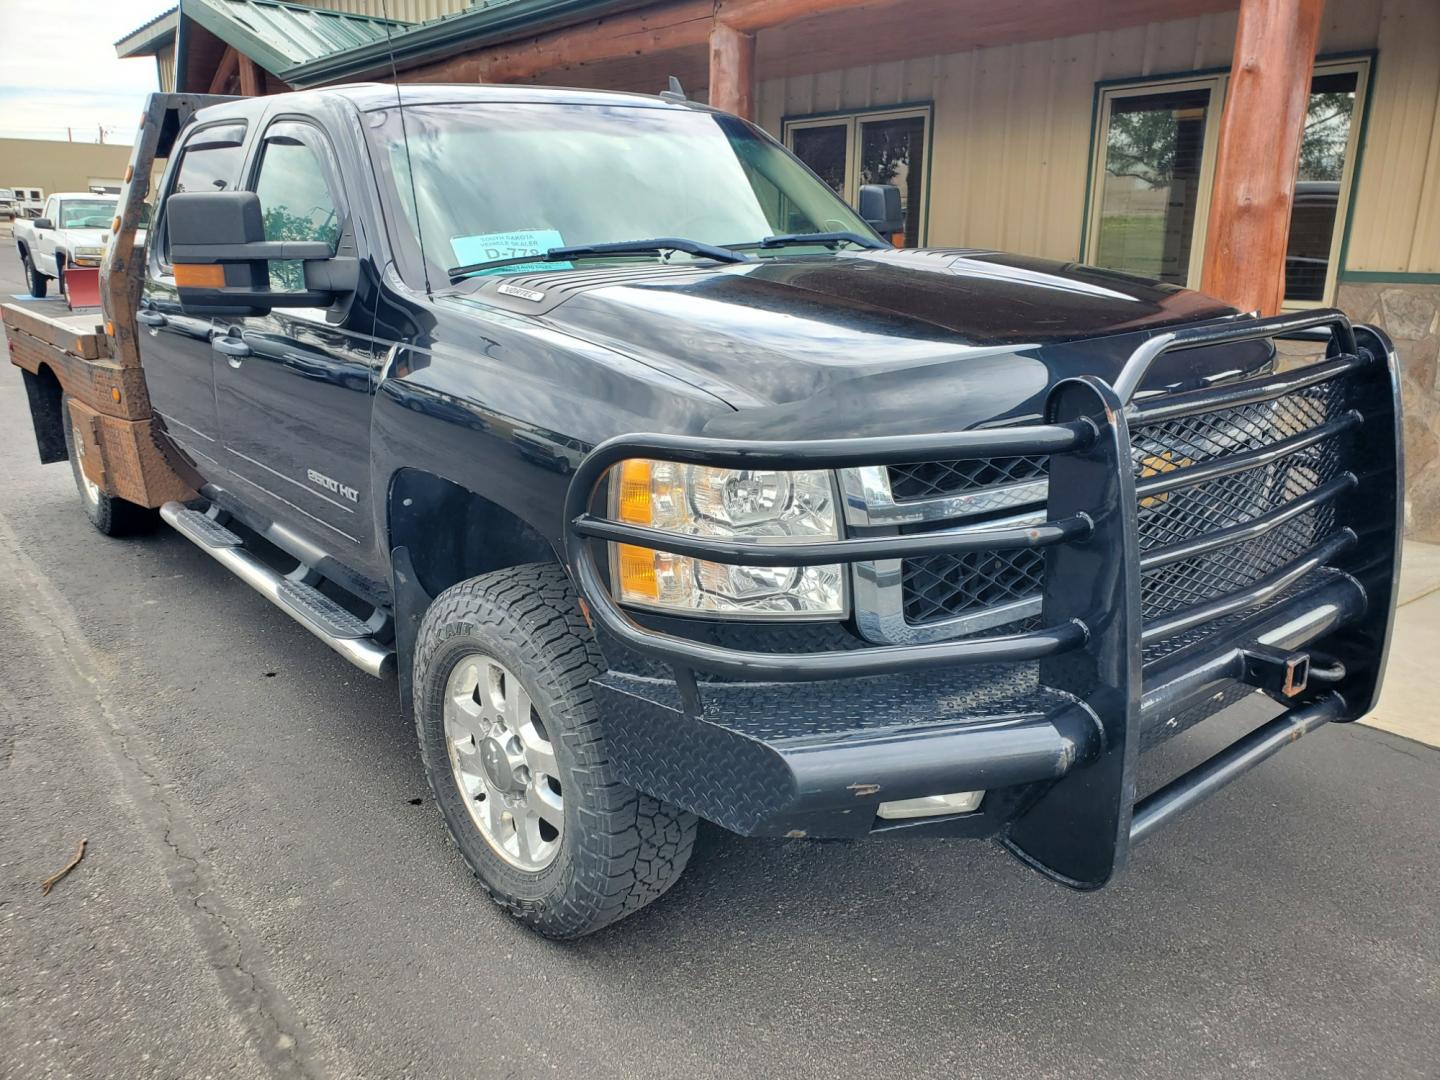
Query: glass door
point(889, 147)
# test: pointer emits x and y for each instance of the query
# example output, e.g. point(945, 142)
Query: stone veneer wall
point(1410, 313)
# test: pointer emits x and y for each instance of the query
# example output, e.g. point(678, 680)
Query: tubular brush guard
point(1115, 665)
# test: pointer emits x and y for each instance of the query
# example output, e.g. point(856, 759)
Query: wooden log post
point(732, 71)
point(252, 82)
point(1259, 153)
point(225, 71)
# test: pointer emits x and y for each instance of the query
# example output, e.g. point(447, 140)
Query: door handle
point(151, 318)
point(231, 347)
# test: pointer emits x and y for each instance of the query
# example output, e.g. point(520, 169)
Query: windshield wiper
point(828, 239)
point(619, 247)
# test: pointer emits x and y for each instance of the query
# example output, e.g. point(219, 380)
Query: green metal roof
point(282, 36)
point(485, 22)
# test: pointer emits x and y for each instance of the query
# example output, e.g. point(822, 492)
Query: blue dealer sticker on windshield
point(487, 247)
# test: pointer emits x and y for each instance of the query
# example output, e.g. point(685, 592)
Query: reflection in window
point(1154, 152)
point(824, 150)
point(893, 152)
point(296, 205)
point(1323, 148)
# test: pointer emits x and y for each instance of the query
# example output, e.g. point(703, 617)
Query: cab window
point(209, 161)
point(295, 201)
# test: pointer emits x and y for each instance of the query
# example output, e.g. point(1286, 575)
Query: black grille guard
point(1091, 636)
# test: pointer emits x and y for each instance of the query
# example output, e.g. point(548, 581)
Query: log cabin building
point(1276, 153)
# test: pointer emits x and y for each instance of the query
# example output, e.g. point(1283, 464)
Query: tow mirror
point(880, 208)
point(222, 259)
point(44, 223)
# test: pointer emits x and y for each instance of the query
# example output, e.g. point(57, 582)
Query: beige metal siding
point(1012, 125)
point(1396, 220)
point(165, 68)
point(403, 10)
point(53, 166)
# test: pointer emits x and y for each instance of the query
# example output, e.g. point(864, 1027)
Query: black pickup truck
point(669, 489)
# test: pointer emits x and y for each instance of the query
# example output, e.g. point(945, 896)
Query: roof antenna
point(405, 138)
point(675, 92)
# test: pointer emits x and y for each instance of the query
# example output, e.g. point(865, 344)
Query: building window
point(889, 146)
point(1154, 161)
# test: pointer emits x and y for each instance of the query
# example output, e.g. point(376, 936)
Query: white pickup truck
point(72, 231)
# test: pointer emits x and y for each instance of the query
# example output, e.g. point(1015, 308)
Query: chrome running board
point(344, 632)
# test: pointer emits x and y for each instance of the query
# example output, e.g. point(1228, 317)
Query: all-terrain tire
point(619, 849)
point(37, 281)
point(111, 515)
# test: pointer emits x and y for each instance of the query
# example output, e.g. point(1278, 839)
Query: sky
point(58, 68)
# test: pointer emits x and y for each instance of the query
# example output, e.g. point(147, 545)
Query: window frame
point(1101, 139)
point(1363, 66)
point(852, 119)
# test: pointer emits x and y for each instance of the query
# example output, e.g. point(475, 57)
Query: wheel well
point(22, 247)
point(453, 534)
point(47, 412)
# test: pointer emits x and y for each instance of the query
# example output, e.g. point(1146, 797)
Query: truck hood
point(73, 238)
point(876, 341)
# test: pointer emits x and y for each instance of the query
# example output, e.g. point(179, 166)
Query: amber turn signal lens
point(635, 503)
point(199, 276)
point(636, 566)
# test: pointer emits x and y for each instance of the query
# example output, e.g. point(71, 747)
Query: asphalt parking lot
point(267, 888)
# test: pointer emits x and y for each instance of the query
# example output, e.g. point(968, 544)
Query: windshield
point(496, 181)
point(85, 214)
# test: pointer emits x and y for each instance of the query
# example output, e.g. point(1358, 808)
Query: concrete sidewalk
point(1408, 704)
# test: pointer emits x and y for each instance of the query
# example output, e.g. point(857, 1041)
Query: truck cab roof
point(368, 97)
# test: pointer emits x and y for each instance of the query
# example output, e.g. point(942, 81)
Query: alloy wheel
point(503, 761)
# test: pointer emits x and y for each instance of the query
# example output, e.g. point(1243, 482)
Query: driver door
point(293, 388)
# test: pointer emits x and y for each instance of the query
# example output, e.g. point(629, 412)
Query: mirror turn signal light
point(199, 276)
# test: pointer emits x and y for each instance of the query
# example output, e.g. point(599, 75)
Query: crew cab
point(667, 489)
point(72, 230)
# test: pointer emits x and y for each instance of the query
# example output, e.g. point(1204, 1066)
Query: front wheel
point(511, 744)
point(37, 281)
point(113, 516)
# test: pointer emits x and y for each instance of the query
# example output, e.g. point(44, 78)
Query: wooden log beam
point(633, 33)
point(1259, 153)
point(753, 15)
point(732, 71)
point(225, 70)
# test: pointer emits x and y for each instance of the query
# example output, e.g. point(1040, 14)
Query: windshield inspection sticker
point(487, 247)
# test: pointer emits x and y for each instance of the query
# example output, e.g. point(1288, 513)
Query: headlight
point(89, 252)
point(757, 505)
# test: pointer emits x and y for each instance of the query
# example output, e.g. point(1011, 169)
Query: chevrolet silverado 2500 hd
point(668, 490)
point(72, 231)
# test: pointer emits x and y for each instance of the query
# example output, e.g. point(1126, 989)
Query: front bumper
point(1048, 722)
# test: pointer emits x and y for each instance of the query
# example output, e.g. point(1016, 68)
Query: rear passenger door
point(294, 387)
point(175, 347)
